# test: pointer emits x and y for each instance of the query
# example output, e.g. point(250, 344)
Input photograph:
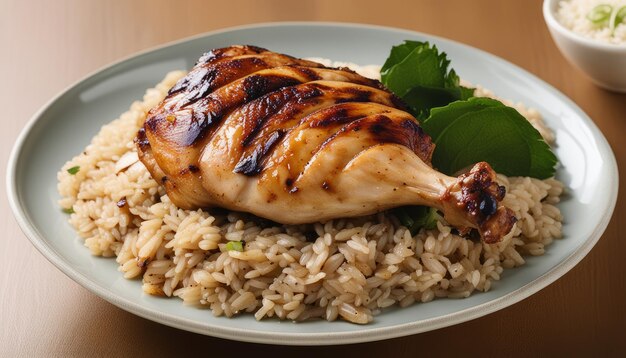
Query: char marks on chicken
point(296, 142)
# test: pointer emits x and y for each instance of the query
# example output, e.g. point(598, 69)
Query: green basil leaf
point(419, 74)
point(399, 53)
point(429, 220)
point(416, 217)
point(482, 129)
point(421, 99)
point(466, 92)
point(421, 66)
point(405, 217)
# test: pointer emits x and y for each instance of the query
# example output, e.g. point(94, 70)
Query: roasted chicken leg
point(295, 142)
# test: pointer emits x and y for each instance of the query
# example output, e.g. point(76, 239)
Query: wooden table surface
point(46, 45)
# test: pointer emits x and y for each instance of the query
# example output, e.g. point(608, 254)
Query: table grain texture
point(47, 45)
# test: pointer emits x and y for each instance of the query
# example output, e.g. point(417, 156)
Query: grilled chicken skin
point(296, 142)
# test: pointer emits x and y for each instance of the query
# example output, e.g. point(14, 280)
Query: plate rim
point(302, 338)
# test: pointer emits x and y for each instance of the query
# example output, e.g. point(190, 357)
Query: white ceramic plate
point(65, 126)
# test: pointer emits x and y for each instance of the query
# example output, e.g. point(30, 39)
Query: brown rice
point(346, 268)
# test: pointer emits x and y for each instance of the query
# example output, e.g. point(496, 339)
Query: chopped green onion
point(234, 246)
point(600, 14)
point(618, 18)
point(69, 210)
point(73, 170)
point(606, 15)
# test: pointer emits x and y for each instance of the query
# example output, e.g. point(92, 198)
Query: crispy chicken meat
point(296, 142)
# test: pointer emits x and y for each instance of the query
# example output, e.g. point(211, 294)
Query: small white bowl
point(604, 63)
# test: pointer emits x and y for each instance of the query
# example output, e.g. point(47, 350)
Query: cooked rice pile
point(348, 268)
point(573, 15)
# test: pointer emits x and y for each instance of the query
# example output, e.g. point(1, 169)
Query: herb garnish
point(483, 129)
point(600, 14)
point(234, 246)
point(465, 129)
point(418, 73)
point(416, 217)
point(605, 15)
point(73, 170)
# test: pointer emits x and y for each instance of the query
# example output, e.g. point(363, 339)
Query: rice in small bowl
point(597, 50)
